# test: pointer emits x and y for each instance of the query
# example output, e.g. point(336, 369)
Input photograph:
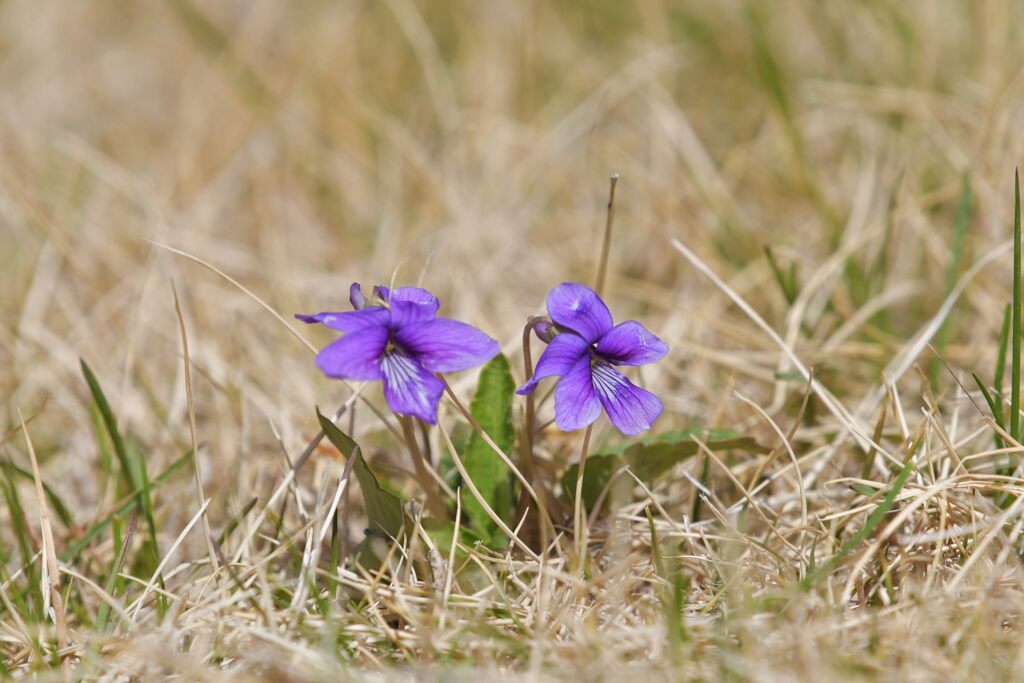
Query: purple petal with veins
point(576, 402)
point(630, 343)
point(443, 345)
point(557, 360)
point(630, 408)
point(356, 355)
point(579, 308)
point(409, 388)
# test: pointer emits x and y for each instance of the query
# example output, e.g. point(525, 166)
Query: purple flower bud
point(355, 296)
point(544, 328)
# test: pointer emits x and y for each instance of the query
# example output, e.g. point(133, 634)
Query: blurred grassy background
point(303, 145)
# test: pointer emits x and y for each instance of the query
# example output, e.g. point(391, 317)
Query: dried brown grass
point(301, 146)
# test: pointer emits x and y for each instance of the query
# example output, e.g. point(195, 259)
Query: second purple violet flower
point(583, 354)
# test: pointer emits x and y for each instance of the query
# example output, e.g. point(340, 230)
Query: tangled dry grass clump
point(816, 214)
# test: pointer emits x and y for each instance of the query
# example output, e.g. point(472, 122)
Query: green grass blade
point(63, 513)
point(146, 498)
point(236, 520)
point(1015, 330)
point(132, 501)
point(25, 545)
point(993, 404)
point(659, 560)
point(115, 572)
point(1004, 341)
point(786, 280)
point(110, 422)
point(874, 519)
point(61, 510)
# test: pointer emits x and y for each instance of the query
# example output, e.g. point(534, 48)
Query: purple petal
point(631, 409)
point(558, 358)
point(580, 309)
point(349, 321)
point(411, 304)
point(576, 403)
point(381, 293)
point(409, 388)
point(443, 345)
point(356, 355)
point(355, 296)
point(630, 343)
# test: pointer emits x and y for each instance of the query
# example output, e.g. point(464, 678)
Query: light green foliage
point(492, 410)
point(383, 508)
point(650, 458)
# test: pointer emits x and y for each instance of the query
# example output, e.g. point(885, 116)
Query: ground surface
point(300, 146)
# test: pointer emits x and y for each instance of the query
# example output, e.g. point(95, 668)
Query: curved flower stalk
point(584, 352)
point(396, 338)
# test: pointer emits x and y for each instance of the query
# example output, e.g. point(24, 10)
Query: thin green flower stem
point(435, 504)
point(526, 445)
point(580, 511)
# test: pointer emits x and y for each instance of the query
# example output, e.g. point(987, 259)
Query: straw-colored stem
point(606, 243)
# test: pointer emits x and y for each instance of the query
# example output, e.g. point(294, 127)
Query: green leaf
point(863, 489)
point(650, 458)
point(442, 533)
point(601, 467)
point(383, 508)
point(492, 410)
point(650, 461)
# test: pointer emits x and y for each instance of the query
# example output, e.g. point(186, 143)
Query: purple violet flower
point(583, 353)
point(397, 339)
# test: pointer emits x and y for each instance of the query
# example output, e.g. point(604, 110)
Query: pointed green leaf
point(492, 410)
point(442, 533)
point(383, 508)
point(650, 458)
